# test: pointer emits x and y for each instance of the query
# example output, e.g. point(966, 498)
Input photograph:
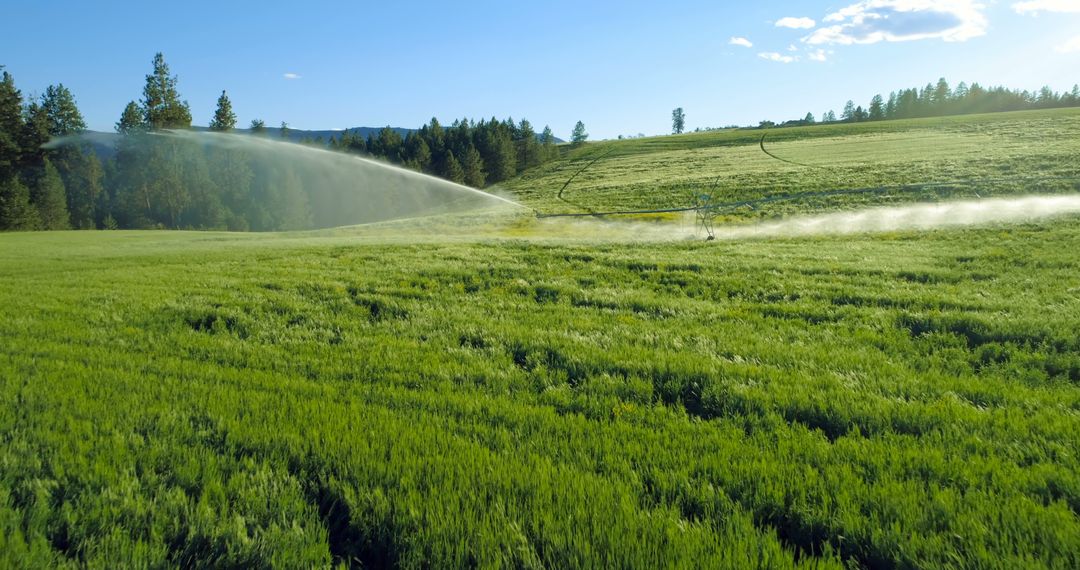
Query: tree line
point(939, 100)
point(152, 181)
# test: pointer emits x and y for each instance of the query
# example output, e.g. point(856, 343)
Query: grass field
point(358, 397)
point(984, 155)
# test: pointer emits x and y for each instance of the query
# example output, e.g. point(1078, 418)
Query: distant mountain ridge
point(297, 135)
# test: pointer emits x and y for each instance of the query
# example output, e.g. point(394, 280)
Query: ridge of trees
point(940, 100)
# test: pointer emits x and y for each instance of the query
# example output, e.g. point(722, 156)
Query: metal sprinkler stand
point(706, 214)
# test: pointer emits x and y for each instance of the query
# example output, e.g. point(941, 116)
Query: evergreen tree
point(10, 126)
point(941, 95)
point(417, 155)
point(497, 150)
point(83, 178)
point(130, 120)
point(678, 121)
point(452, 169)
point(77, 163)
point(849, 111)
point(63, 114)
point(388, 144)
point(877, 108)
point(161, 105)
point(579, 136)
point(224, 119)
point(809, 119)
point(284, 132)
point(35, 133)
point(258, 127)
point(529, 154)
point(16, 213)
point(547, 144)
point(473, 168)
point(50, 199)
point(890, 107)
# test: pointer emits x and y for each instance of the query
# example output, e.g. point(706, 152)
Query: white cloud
point(795, 23)
point(1071, 46)
point(291, 76)
point(737, 41)
point(1036, 6)
point(777, 57)
point(873, 21)
point(819, 55)
point(792, 48)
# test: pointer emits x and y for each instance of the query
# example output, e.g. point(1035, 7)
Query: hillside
point(981, 155)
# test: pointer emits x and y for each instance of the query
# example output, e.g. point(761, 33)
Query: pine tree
point(258, 127)
point(83, 177)
point(224, 119)
point(161, 105)
point(389, 144)
point(130, 120)
point(10, 125)
point(547, 144)
point(417, 155)
point(849, 111)
point(64, 116)
point(452, 170)
point(35, 133)
point(809, 119)
point(16, 213)
point(579, 136)
point(678, 121)
point(284, 131)
point(49, 199)
point(473, 168)
point(529, 154)
point(877, 108)
point(941, 95)
point(78, 164)
point(497, 151)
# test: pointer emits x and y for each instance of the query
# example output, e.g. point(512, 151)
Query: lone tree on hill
point(579, 136)
point(678, 121)
point(224, 118)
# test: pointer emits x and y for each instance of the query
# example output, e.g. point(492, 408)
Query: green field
point(505, 398)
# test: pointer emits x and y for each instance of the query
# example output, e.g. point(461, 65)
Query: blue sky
point(619, 67)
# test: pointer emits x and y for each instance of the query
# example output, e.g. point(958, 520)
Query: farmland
point(502, 398)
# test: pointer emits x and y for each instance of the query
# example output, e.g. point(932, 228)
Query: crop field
point(351, 398)
point(963, 157)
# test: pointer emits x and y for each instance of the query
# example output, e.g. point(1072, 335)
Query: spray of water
point(915, 217)
point(276, 184)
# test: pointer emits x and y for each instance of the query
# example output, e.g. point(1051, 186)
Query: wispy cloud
point(778, 57)
point(291, 76)
point(795, 23)
point(873, 21)
point(818, 55)
point(1071, 46)
point(737, 41)
point(1036, 6)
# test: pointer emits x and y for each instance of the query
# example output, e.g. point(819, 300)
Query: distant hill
point(297, 135)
